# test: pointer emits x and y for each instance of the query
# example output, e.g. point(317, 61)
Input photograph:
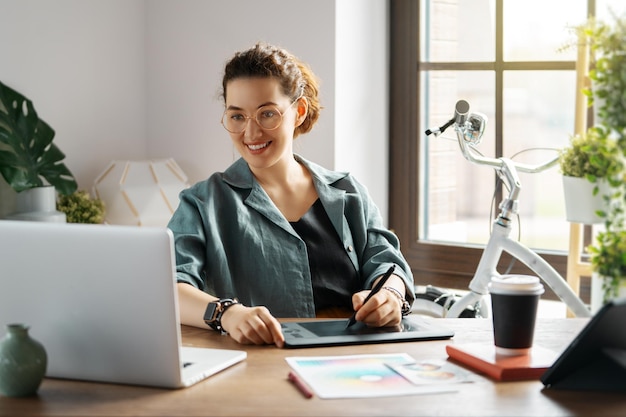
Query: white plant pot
point(597, 293)
point(37, 204)
point(580, 203)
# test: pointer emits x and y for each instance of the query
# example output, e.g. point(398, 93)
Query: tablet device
point(301, 334)
point(596, 358)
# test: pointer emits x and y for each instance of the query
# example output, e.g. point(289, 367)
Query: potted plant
point(79, 207)
point(608, 77)
point(608, 262)
point(591, 165)
point(608, 251)
point(29, 162)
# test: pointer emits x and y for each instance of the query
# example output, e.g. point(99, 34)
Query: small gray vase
point(23, 362)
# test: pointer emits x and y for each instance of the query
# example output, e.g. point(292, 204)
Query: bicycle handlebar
point(469, 128)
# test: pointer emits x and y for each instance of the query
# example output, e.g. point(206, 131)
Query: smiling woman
point(268, 135)
point(276, 235)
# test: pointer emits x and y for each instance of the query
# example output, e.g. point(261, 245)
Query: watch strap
point(215, 310)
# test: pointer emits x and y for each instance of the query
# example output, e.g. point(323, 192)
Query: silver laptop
point(103, 302)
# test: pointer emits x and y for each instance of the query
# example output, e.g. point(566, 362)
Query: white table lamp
point(142, 193)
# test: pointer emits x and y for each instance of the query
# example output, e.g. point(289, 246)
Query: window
point(507, 61)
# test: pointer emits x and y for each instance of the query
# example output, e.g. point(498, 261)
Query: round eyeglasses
point(267, 117)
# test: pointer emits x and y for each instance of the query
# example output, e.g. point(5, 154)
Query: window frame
point(434, 263)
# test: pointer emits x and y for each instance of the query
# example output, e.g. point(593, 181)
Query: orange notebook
point(482, 358)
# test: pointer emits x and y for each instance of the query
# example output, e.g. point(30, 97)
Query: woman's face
point(262, 148)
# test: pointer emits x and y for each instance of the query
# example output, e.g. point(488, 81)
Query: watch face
point(211, 312)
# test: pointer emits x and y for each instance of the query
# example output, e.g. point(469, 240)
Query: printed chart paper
point(360, 376)
point(435, 371)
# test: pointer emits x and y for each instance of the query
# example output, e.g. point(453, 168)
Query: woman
point(276, 235)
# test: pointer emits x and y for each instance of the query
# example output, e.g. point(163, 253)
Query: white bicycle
point(469, 129)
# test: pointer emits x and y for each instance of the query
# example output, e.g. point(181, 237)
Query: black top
point(333, 275)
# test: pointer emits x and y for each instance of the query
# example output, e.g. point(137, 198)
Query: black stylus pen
point(376, 288)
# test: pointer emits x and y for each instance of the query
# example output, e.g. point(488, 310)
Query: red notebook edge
point(482, 358)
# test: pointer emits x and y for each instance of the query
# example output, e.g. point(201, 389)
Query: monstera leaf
point(27, 154)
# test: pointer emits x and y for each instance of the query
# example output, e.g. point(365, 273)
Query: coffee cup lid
point(516, 284)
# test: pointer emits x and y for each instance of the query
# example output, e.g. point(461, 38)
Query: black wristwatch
point(215, 310)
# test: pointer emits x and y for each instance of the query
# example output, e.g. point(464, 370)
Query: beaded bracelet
point(405, 306)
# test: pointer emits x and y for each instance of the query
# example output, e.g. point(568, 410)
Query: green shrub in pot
point(608, 95)
point(591, 155)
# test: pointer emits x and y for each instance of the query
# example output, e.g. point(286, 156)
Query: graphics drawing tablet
point(316, 333)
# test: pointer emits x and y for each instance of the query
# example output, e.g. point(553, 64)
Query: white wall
point(133, 79)
point(82, 63)
point(362, 95)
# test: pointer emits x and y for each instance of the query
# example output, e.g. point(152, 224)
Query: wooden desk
point(259, 386)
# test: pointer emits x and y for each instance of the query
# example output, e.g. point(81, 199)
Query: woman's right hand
point(252, 326)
